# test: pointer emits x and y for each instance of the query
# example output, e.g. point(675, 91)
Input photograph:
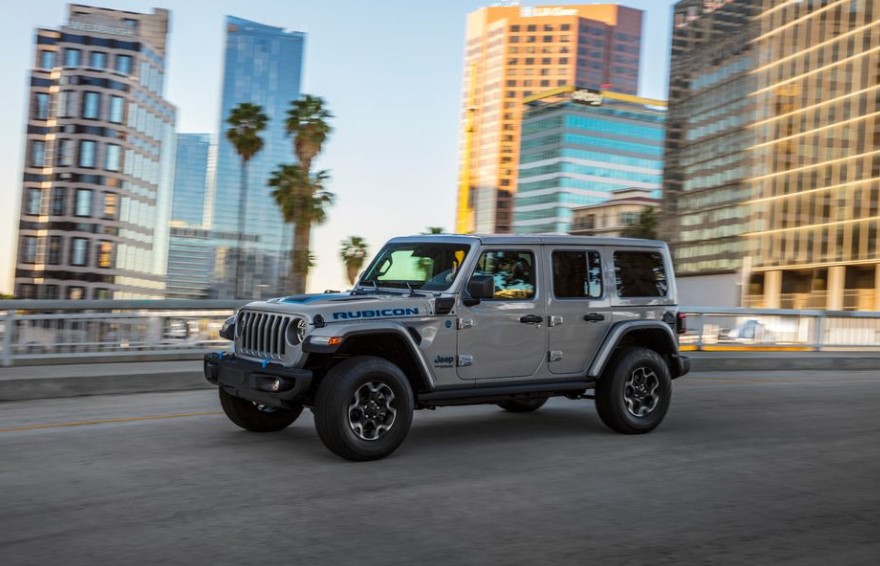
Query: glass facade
point(511, 54)
point(575, 154)
point(105, 166)
point(815, 186)
point(711, 109)
point(263, 65)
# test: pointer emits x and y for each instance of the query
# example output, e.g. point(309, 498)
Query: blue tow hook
point(265, 363)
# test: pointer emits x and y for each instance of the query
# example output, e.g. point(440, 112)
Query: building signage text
point(101, 28)
point(529, 12)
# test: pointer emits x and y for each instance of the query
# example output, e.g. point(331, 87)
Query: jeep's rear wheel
point(522, 405)
point(255, 417)
point(634, 394)
point(364, 408)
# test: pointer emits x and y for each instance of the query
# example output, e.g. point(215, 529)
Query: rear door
point(578, 309)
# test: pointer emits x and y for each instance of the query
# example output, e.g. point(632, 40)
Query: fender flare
point(618, 332)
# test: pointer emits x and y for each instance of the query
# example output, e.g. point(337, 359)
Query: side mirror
point(480, 287)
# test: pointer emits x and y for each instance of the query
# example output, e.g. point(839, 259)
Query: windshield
point(419, 265)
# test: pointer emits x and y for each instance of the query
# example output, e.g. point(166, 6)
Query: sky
point(389, 70)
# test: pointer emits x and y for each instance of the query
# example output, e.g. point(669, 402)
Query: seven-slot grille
point(264, 335)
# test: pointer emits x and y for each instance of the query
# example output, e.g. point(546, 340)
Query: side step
point(498, 393)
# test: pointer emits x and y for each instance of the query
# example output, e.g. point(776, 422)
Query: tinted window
point(640, 274)
point(577, 275)
point(513, 272)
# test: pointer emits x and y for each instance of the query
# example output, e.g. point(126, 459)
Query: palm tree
point(645, 227)
point(353, 252)
point(434, 230)
point(307, 124)
point(246, 122)
point(303, 201)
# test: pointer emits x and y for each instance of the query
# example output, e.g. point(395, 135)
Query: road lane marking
point(108, 421)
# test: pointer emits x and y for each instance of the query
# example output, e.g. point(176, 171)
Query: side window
point(640, 274)
point(577, 275)
point(513, 271)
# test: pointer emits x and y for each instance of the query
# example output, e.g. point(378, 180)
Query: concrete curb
point(53, 381)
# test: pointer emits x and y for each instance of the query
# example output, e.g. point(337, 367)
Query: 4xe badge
point(444, 361)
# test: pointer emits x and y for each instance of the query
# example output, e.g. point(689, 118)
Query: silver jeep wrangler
point(456, 320)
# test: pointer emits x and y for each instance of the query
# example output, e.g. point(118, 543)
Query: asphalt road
point(777, 468)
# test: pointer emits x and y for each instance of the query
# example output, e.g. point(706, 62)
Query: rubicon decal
point(349, 315)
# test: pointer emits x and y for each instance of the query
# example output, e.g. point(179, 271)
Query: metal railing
point(723, 329)
point(103, 331)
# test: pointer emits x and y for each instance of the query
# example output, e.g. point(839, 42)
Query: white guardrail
point(34, 332)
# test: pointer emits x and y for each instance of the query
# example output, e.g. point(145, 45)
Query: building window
point(79, 251)
point(111, 163)
point(105, 254)
point(514, 28)
point(98, 60)
point(102, 294)
point(117, 109)
point(87, 153)
point(29, 249)
point(38, 153)
point(123, 64)
point(91, 105)
point(58, 194)
point(72, 57)
point(67, 98)
point(41, 106)
point(55, 243)
point(111, 206)
point(76, 293)
point(83, 202)
point(27, 291)
point(65, 152)
point(34, 202)
point(50, 292)
point(47, 59)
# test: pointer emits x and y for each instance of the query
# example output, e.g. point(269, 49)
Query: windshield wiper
point(360, 288)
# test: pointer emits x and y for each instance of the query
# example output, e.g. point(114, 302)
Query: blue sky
point(389, 70)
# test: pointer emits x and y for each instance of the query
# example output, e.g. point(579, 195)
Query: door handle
point(531, 319)
point(594, 317)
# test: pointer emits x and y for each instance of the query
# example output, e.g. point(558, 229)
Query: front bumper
point(254, 381)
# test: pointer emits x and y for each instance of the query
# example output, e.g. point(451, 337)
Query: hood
point(345, 307)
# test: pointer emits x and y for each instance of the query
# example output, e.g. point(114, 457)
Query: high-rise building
point(262, 66)
point(711, 109)
point(578, 147)
point(513, 52)
point(815, 182)
point(98, 160)
point(191, 254)
point(773, 160)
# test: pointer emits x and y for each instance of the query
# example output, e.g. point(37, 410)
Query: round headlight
point(296, 332)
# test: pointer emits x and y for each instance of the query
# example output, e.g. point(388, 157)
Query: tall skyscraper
point(99, 159)
point(773, 160)
point(578, 147)
point(711, 110)
point(513, 52)
point(262, 66)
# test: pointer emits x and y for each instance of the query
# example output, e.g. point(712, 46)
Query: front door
point(578, 311)
point(506, 336)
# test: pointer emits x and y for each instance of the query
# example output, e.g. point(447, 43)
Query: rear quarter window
point(640, 274)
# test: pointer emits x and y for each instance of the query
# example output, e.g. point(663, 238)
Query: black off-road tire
point(254, 417)
point(522, 405)
point(633, 395)
point(364, 408)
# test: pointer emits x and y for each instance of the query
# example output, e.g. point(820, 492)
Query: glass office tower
point(578, 147)
point(98, 161)
point(263, 66)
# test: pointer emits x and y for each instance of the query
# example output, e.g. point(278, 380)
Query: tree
point(307, 123)
point(303, 201)
point(5, 297)
point(434, 230)
point(246, 122)
point(353, 253)
point(645, 227)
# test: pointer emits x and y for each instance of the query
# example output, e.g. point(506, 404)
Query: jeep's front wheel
point(522, 405)
point(634, 394)
point(364, 408)
point(255, 417)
